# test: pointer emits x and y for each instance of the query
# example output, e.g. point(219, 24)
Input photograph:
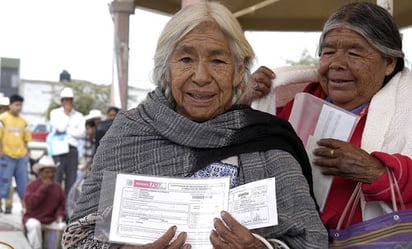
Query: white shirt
point(73, 124)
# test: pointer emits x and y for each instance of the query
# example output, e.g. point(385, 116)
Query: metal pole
point(121, 10)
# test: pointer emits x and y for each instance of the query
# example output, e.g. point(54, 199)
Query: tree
point(305, 59)
point(87, 96)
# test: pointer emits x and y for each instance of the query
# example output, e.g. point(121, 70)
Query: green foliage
point(87, 96)
point(305, 59)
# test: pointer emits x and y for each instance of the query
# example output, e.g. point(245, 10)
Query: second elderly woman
point(362, 70)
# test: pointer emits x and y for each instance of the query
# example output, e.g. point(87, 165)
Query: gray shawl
point(153, 139)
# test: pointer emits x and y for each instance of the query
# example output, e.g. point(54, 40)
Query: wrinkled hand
point(165, 242)
point(233, 235)
point(339, 158)
point(260, 82)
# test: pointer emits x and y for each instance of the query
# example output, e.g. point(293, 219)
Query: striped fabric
point(153, 139)
point(389, 231)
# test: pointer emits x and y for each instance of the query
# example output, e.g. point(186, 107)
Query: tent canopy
point(282, 15)
point(259, 15)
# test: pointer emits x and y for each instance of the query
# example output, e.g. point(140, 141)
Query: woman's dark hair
point(375, 24)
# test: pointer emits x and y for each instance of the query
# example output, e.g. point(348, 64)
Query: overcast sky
point(77, 35)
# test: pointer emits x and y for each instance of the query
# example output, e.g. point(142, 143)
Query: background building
point(38, 96)
point(9, 76)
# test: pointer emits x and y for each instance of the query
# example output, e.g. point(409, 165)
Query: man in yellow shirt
point(14, 136)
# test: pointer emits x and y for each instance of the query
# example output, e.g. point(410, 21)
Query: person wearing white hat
point(66, 120)
point(45, 202)
point(4, 103)
point(95, 115)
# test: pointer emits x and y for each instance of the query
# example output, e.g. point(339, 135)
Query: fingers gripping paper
point(314, 118)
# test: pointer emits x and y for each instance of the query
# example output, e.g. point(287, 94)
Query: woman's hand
point(261, 81)
point(339, 158)
point(165, 242)
point(233, 235)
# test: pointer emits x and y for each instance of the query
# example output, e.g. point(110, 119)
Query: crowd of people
point(198, 123)
point(45, 195)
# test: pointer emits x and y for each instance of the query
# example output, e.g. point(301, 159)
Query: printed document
point(144, 207)
point(254, 204)
point(314, 118)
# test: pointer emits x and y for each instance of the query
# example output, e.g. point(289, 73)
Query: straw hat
point(44, 162)
point(94, 113)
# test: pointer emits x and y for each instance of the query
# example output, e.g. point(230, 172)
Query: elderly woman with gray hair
point(361, 69)
point(191, 125)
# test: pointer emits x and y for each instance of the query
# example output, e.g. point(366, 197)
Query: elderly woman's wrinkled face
point(203, 73)
point(351, 70)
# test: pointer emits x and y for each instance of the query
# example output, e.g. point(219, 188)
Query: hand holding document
point(144, 207)
point(254, 204)
point(314, 118)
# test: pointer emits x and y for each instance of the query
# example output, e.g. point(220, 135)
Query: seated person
point(44, 201)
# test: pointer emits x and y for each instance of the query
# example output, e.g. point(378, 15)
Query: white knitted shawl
point(389, 116)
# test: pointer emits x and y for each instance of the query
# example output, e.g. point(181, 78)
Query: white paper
point(334, 123)
point(314, 118)
point(254, 204)
point(144, 207)
point(321, 182)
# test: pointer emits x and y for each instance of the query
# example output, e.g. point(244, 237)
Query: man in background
point(85, 166)
point(66, 120)
point(14, 158)
point(45, 202)
point(104, 125)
